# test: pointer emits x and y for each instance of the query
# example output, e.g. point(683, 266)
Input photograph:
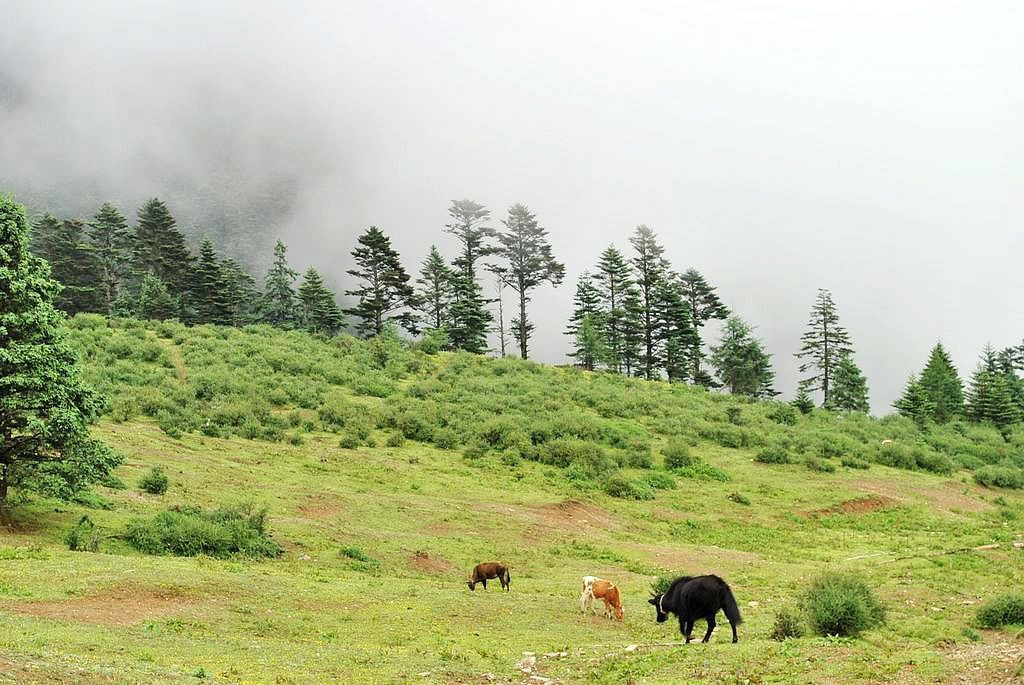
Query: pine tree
point(612, 280)
point(850, 389)
point(240, 294)
point(210, 301)
point(158, 247)
point(824, 345)
point(72, 263)
point(650, 269)
point(152, 301)
point(915, 403)
point(470, 316)
point(586, 309)
point(45, 409)
point(320, 312)
point(278, 291)
point(437, 291)
point(803, 401)
point(384, 294)
point(631, 351)
point(989, 397)
point(942, 386)
point(674, 331)
point(704, 306)
point(741, 362)
point(1007, 366)
point(528, 264)
point(111, 243)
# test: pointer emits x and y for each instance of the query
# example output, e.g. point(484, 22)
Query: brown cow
point(594, 587)
point(488, 570)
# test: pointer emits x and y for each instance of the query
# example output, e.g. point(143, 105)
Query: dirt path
point(174, 352)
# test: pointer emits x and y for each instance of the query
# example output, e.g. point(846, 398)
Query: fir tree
point(942, 386)
point(72, 263)
point(278, 291)
point(240, 294)
point(528, 264)
point(111, 243)
point(210, 300)
point(741, 361)
point(803, 401)
point(158, 247)
point(384, 293)
point(45, 409)
point(1007, 366)
point(989, 397)
point(586, 309)
point(650, 269)
point(915, 403)
point(436, 292)
point(674, 331)
point(590, 348)
point(850, 389)
point(631, 350)
point(824, 345)
point(152, 301)
point(704, 306)
point(320, 312)
point(612, 280)
point(470, 316)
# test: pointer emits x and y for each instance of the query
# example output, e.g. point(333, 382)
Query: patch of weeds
point(788, 623)
point(703, 471)
point(624, 488)
point(1001, 611)
point(842, 605)
point(190, 531)
point(773, 454)
point(83, 536)
point(739, 499)
point(361, 561)
point(820, 465)
point(854, 463)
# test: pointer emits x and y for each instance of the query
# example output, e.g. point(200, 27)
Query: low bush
point(624, 488)
point(784, 415)
point(661, 481)
point(83, 537)
point(999, 477)
point(661, 584)
point(396, 439)
point(190, 531)
point(788, 623)
point(841, 604)
point(676, 454)
point(155, 482)
point(820, 465)
point(895, 455)
point(587, 456)
point(854, 463)
point(773, 454)
point(703, 471)
point(1001, 611)
point(927, 460)
point(361, 560)
point(349, 441)
point(739, 498)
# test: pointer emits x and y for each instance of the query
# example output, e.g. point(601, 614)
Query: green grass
point(378, 540)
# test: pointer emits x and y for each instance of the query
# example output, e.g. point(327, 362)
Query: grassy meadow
point(389, 470)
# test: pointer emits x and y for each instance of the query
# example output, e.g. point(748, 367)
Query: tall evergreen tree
point(824, 345)
point(152, 300)
point(158, 247)
point(211, 301)
point(942, 386)
point(279, 292)
point(704, 306)
point(915, 403)
point(436, 292)
point(674, 332)
point(111, 243)
point(1007, 366)
point(988, 396)
point(612, 280)
point(320, 312)
point(45, 408)
point(591, 348)
point(803, 401)
point(850, 389)
point(586, 309)
point(632, 346)
point(741, 361)
point(470, 317)
point(650, 269)
point(72, 263)
point(528, 264)
point(384, 293)
point(240, 293)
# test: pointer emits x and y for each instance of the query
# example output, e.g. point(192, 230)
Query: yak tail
point(732, 612)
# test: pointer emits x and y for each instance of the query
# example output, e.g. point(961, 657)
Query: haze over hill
point(869, 149)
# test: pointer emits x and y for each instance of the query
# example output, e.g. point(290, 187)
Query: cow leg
point(584, 604)
point(711, 627)
point(734, 638)
point(484, 581)
point(686, 628)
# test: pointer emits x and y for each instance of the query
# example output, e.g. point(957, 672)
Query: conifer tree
point(470, 316)
point(320, 312)
point(1007, 366)
point(210, 301)
point(650, 269)
point(850, 389)
point(915, 403)
point(988, 397)
point(111, 243)
point(158, 247)
point(152, 301)
point(278, 291)
point(240, 294)
point(384, 293)
point(612, 280)
point(704, 306)
point(824, 345)
point(45, 408)
point(674, 331)
point(528, 264)
point(631, 350)
point(741, 362)
point(803, 401)
point(590, 348)
point(942, 386)
point(72, 263)
point(586, 309)
point(436, 292)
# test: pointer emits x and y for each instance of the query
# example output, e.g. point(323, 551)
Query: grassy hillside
point(388, 472)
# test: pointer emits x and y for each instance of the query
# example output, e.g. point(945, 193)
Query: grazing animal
point(488, 570)
point(597, 588)
point(694, 597)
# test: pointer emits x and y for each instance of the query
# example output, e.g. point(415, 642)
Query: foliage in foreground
point(190, 531)
point(841, 604)
point(1001, 611)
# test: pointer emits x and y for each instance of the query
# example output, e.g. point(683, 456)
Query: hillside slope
point(452, 459)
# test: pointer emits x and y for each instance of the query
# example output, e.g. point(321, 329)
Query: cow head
point(656, 603)
point(619, 613)
point(471, 584)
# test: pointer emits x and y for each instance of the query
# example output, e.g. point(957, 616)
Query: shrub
point(474, 451)
point(703, 471)
point(928, 460)
point(349, 442)
point(445, 438)
point(820, 465)
point(661, 481)
point(123, 409)
point(396, 439)
point(841, 604)
point(623, 488)
point(999, 477)
point(895, 455)
point(587, 456)
point(788, 623)
point(784, 415)
point(734, 415)
point(661, 584)
point(773, 454)
point(113, 482)
point(189, 531)
point(739, 498)
point(676, 454)
point(361, 560)
point(835, 446)
point(155, 482)
point(1001, 611)
point(854, 463)
point(83, 537)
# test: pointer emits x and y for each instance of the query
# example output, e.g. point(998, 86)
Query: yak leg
point(735, 639)
point(686, 628)
point(711, 627)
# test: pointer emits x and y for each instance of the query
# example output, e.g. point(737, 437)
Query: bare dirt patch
point(997, 662)
point(948, 496)
point(119, 606)
point(431, 563)
point(321, 505)
point(569, 512)
point(859, 505)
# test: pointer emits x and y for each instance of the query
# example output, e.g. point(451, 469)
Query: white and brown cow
point(598, 588)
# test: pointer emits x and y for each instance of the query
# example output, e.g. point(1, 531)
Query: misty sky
point(873, 148)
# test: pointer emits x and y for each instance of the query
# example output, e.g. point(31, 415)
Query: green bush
point(624, 488)
point(396, 439)
point(841, 604)
point(155, 482)
point(189, 531)
point(661, 584)
point(820, 465)
point(999, 477)
point(773, 454)
point(895, 455)
point(349, 441)
point(788, 623)
point(854, 463)
point(734, 415)
point(361, 560)
point(927, 460)
point(83, 536)
point(739, 498)
point(784, 415)
point(1001, 611)
point(661, 481)
point(587, 456)
point(676, 455)
point(703, 471)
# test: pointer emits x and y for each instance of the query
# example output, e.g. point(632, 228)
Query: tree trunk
point(5, 515)
point(501, 318)
point(523, 331)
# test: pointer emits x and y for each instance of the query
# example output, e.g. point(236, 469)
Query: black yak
point(693, 597)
